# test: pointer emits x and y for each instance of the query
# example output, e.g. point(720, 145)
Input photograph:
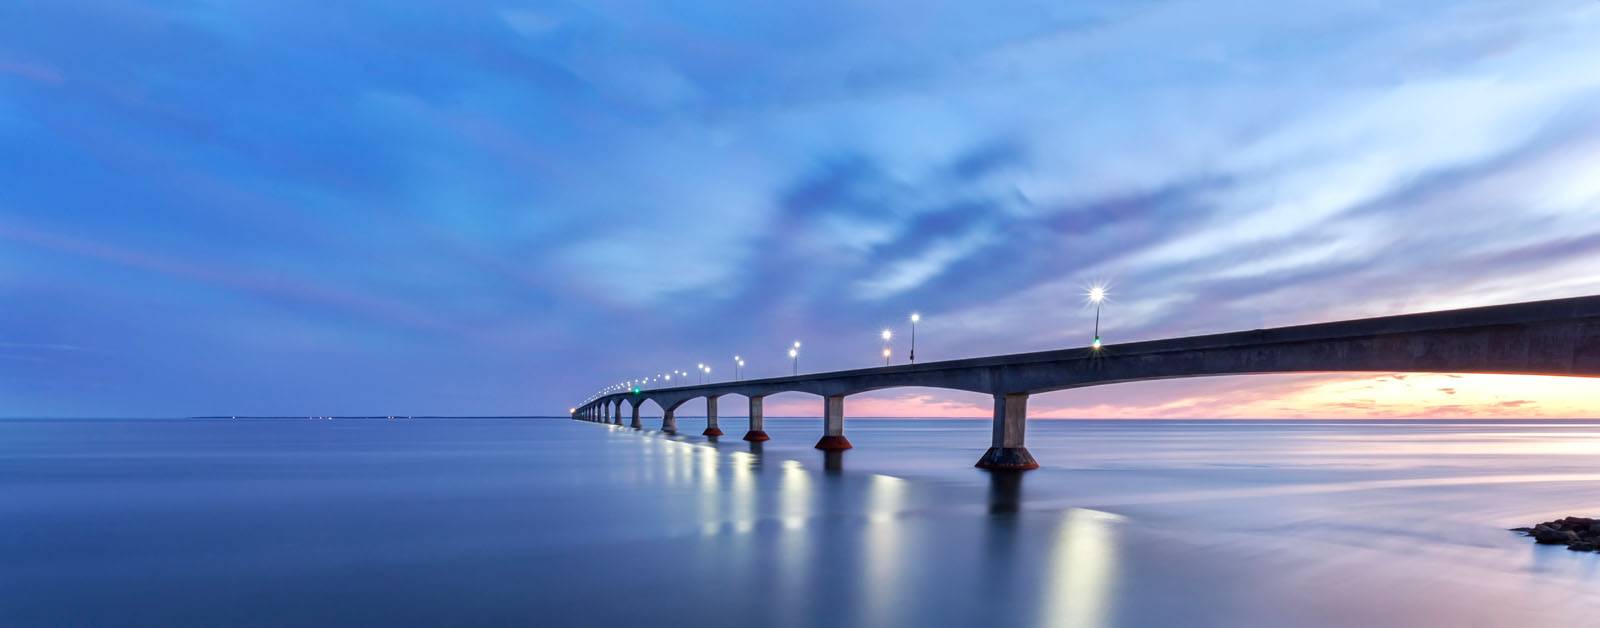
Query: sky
point(498, 207)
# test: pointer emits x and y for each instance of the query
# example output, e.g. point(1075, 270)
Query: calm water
point(561, 523)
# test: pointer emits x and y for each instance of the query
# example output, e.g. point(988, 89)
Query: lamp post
point(1097, 296)
point(794, 354)
point(915, 317)
point(738, 364)
point(886, 335)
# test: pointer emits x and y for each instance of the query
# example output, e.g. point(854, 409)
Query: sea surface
point(553, 522)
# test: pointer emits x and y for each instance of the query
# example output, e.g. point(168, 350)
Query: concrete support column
point(833, 424)
point(669, 423)
point(616, 412)
point(1006, 450)
point(636, 424)
point(711, 417)
point(757, 431)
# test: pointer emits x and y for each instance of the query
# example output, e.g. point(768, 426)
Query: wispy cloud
point(552, 198)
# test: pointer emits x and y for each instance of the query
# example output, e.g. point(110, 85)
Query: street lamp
point(794, 354)
point(915, 317)
point(1097, 296)
point(886, 335)
point(737, 364)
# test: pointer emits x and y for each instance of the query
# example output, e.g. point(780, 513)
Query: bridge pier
point(636, 423)
point(757, 431)
point(669, 422)
point(1006, 450)
point(833, 425)
point(711, 417)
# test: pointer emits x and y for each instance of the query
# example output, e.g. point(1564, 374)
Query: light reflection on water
point(1082, 563)
point(566, 523)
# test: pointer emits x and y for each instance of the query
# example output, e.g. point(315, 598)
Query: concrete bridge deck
point(1555, 337)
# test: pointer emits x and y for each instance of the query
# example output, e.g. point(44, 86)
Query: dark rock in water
point(1579, 534)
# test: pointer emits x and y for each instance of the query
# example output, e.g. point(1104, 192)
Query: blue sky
point(497, 207)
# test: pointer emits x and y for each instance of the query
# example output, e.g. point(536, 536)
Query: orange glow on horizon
point(1299, 396)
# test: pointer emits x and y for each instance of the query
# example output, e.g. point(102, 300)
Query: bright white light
point(793, 352)
point(1096, 344)
point(887, 334)
point(1097, 293)
point(741, 362)
point(797, 344)
point(708, 369)
point(700, 365)
point(915, 317)
point(886, 352)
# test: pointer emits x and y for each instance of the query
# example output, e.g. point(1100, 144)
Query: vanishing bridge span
point(1556, 337)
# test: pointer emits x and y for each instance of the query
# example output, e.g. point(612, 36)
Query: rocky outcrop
point(1580, 534)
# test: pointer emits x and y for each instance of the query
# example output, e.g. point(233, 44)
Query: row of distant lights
point(1094, 294)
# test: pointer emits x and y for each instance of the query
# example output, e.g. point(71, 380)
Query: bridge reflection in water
point(833, 548)
point(1556, 337)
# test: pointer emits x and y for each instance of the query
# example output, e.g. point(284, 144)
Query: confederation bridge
point(1557, 337)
